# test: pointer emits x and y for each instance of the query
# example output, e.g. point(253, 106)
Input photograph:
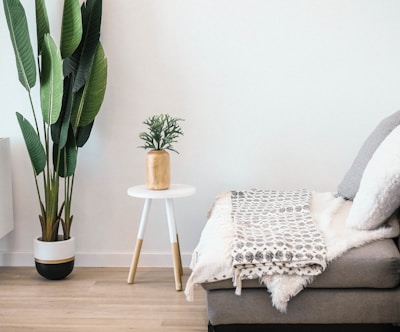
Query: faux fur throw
point(274, 234)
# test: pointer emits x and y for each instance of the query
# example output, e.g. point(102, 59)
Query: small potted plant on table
point(163, 131)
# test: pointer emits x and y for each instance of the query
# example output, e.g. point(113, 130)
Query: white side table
point(174, 191)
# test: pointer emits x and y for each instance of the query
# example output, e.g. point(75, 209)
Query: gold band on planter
point(55, 261)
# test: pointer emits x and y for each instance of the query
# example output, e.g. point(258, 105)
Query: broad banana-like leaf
point(59, 130)
point(71, 29)
point(91, 17)
point(87, 104)
point(68, 156)
point(19, 33)
point(83, 134)
point(51, 81)
point(33, 144)
point(42, 23)
point(70, 64)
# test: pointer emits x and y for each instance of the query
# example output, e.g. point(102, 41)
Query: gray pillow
point(351, 182)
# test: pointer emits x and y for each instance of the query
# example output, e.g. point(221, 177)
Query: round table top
point(174, 191)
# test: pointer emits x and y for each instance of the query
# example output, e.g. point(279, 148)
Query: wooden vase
point(158, 170)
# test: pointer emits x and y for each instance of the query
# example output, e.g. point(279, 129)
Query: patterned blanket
point(274, 233)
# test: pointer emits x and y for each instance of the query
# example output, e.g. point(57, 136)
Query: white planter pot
point(54, 260)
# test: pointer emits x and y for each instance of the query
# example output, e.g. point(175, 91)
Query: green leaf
point(68, 156)
point(42, 23)
point(70, 64)
point(91, 18)
point(51, 81)
point(83, 134)
point(88, 103)
point(33, 144)
point(59, 130)
point(19, 33)
point(71, 29)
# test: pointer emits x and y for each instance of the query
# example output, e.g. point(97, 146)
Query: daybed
point(354, 278)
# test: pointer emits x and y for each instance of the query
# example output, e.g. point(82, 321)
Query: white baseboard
point(107, 259)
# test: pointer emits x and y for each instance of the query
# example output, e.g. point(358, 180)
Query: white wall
point(276, 94)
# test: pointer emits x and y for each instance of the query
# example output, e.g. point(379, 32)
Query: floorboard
point(98, 299)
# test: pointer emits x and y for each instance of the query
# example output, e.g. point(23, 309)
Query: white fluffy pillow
point(379, 193)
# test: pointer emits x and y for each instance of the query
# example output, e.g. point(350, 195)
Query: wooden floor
point(98, 299)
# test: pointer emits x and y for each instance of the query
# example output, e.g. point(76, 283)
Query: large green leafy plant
point(72, 81)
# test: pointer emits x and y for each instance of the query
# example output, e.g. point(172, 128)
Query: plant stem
point(33, 112)
point(43, 208)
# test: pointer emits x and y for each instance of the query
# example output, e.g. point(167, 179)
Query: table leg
point(138, 247)
point(176, 255)
point(179, 251)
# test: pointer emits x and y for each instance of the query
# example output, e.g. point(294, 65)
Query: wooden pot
point(158, 170)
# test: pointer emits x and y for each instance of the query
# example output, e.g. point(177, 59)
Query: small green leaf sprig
point(163, 131)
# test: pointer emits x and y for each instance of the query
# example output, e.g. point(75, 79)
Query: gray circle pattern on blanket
point(275, 233)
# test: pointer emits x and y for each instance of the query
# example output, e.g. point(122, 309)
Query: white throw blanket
point(212, 257)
